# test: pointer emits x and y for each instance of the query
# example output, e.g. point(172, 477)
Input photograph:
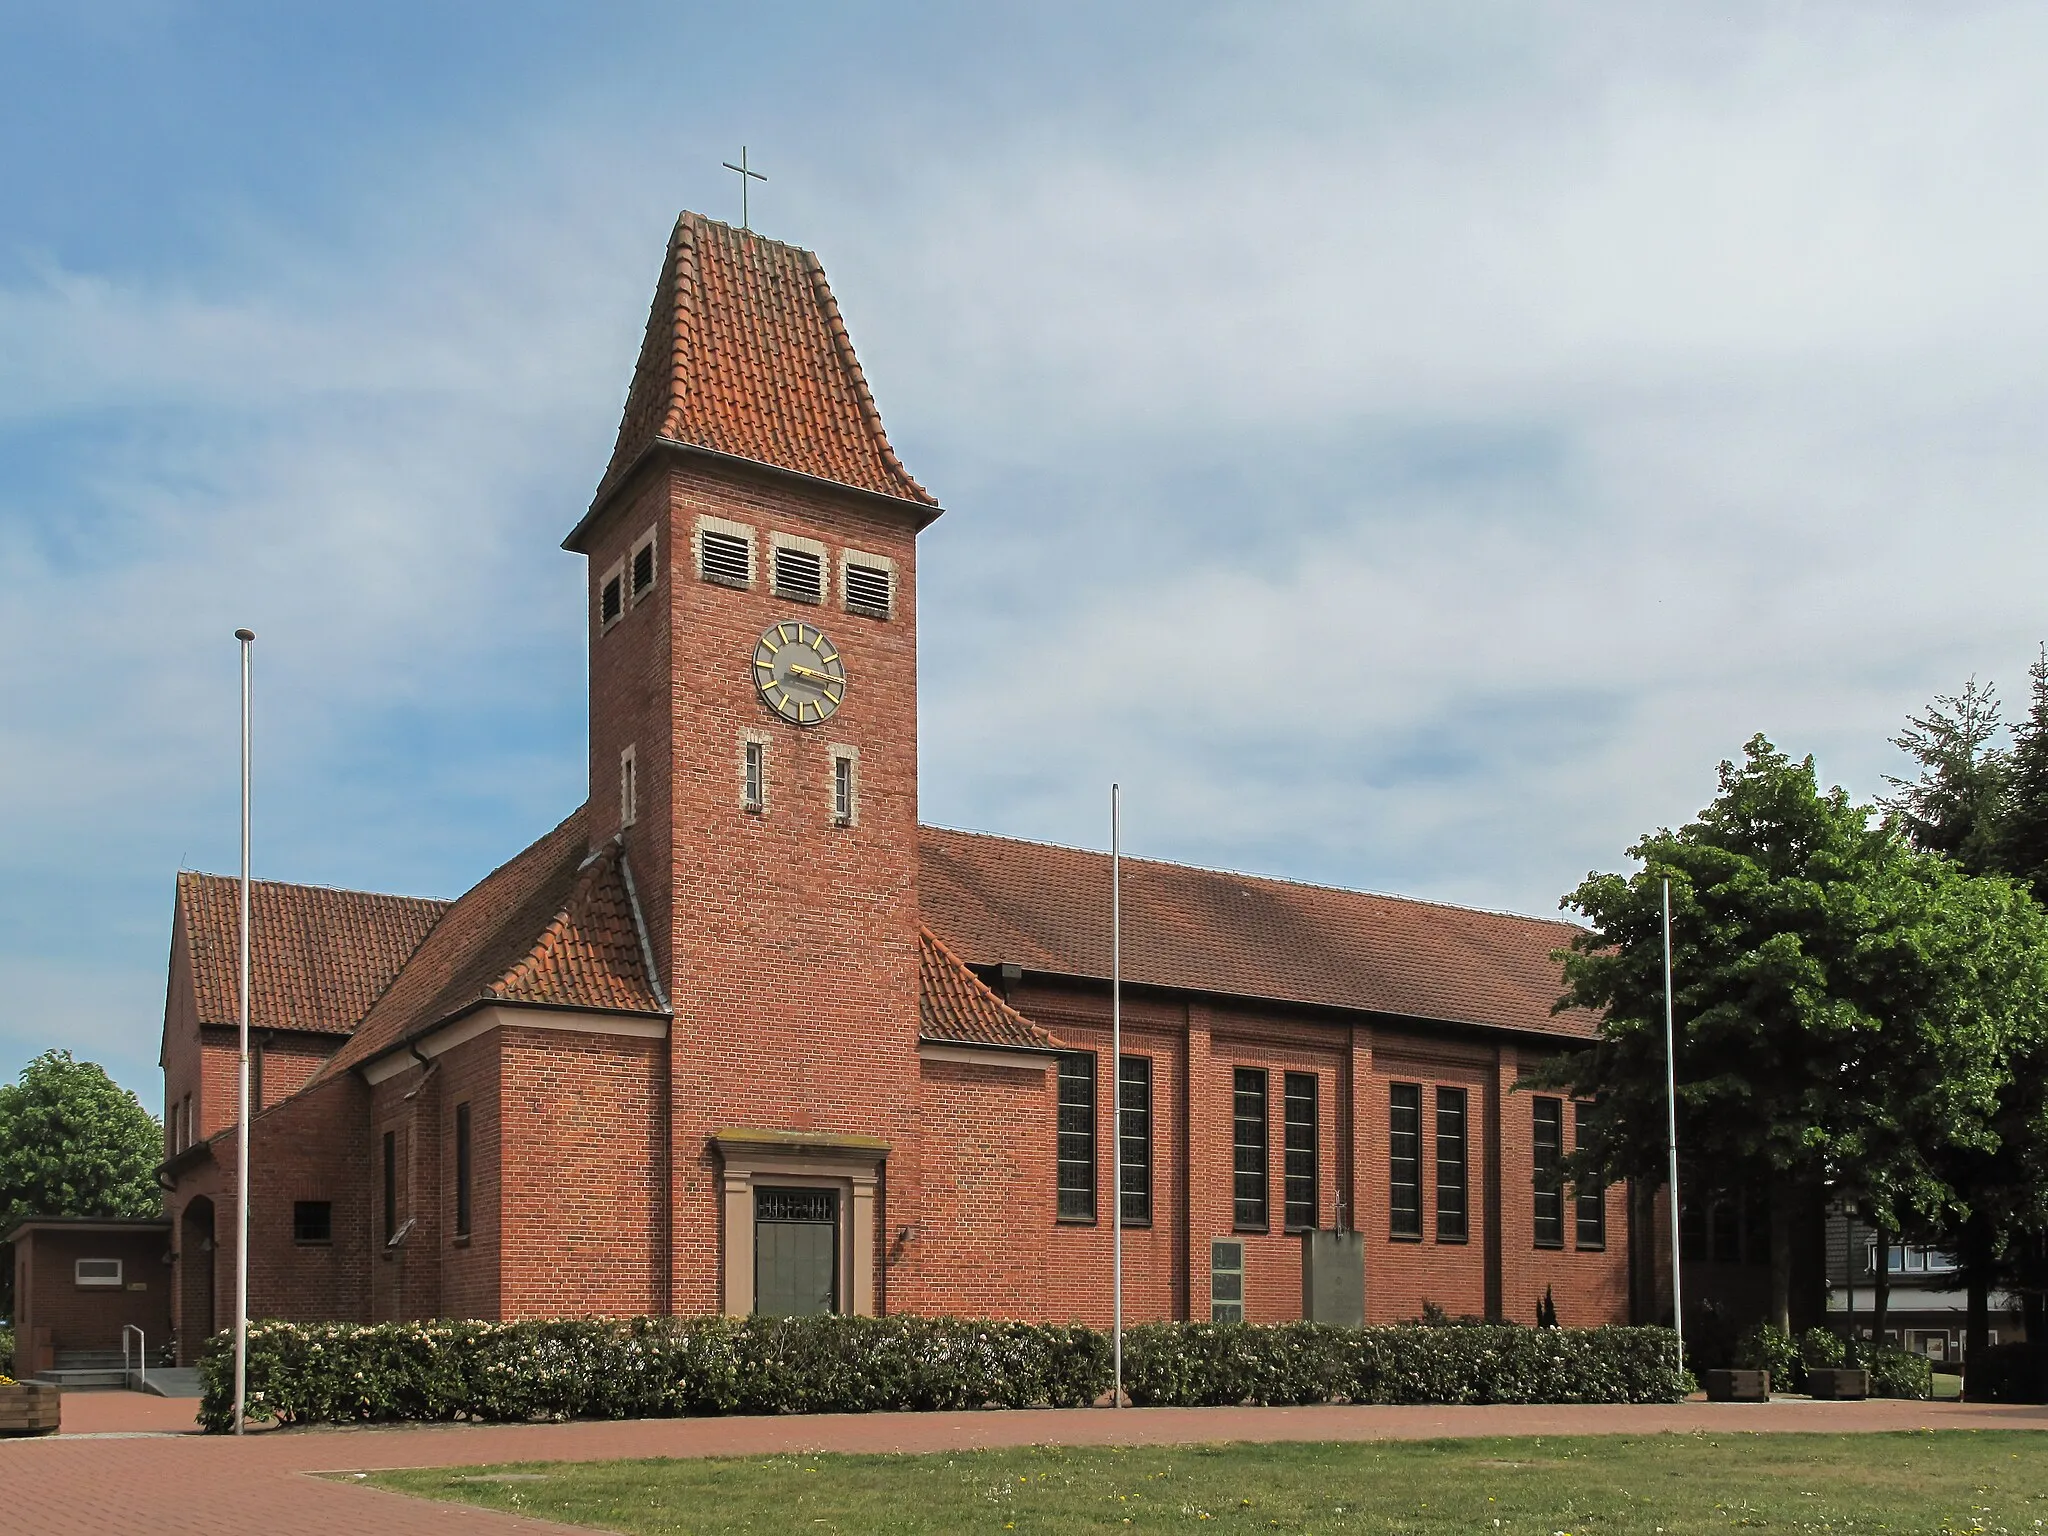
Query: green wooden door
point(796, 1252)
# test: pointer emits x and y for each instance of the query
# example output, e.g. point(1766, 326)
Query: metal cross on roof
point(746, 173)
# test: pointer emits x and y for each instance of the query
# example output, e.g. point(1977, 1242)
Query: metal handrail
point(141, 1371)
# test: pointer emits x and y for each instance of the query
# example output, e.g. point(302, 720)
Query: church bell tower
point(752, 588)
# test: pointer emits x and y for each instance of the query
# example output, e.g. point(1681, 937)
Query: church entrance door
point(796, 1251)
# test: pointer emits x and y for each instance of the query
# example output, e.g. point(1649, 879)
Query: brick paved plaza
point(129, 1464)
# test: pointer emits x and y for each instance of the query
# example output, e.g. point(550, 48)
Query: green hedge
point(665, 1367)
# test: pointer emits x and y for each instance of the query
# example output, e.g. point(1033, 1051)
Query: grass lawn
point(1957, 1481)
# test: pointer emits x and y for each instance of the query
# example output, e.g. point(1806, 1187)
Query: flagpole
point(1116, 1075)
point(242, 1126)
point(1671, 1126)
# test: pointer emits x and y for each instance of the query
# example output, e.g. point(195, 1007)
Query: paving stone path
point(128, 1463)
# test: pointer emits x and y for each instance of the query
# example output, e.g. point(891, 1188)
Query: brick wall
point(980, 1161)
point(582, 1129)
point(1196, 1047)
point(48, 1295)
point(789, 944)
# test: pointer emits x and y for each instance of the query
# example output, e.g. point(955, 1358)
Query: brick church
point(742, 1034)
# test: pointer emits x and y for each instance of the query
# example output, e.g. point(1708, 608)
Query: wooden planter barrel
point(1737, 1386)
point(29, 1408)
point(1838, 1383)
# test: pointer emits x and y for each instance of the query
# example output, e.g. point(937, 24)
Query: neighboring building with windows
point(741, 1033)
point(1926, 1304)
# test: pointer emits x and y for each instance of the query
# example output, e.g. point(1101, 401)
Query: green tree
point(73, 1142)
point(1954, 807)
point(2020, 846)
point(1845, 1003)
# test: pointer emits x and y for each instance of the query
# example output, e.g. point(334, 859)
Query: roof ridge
point(313, 885)
point(981, 987)
point(1239, 874)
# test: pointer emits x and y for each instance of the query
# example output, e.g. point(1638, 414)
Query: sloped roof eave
point(416, 1036)
point(1312, 1005)
point(924, 512)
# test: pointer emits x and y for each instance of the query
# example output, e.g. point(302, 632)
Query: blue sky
point(1587, 386)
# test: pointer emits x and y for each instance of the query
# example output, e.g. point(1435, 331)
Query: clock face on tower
point(799, 672)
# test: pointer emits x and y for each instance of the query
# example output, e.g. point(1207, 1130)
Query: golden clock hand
point(823, 677)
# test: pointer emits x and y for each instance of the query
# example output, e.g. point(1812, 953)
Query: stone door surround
point(823, 1159)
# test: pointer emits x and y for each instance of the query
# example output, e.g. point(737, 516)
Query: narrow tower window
point(611, 598)
point(843, 788)
point(390, 1186)
point(629, 790)
point(642, 566)
point(754, 776)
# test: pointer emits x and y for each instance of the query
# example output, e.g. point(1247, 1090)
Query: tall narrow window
point(1589, 1210)
point(462, 1166)
point(1452, 1221)
point(390, 1186)
point(1299, 1170)
point(1549, 1172)
point(1248, 1149)
point(629, 790)
point(1226, 1281)
point(191, 1135)
point(256, 1079)
point(1404, 1160)
point(842, 789)
point(643, 566)
point(1134, 1138)
point(754, 776)
point(1077, 1138)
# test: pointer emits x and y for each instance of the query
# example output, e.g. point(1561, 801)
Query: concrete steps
point(178, 1381)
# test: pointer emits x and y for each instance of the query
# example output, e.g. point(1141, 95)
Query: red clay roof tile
point(956, 1006)
point(995, 900)
point(554, 926)
point(746, 355)
point(318, 957)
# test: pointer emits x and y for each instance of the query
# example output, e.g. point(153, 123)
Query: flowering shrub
point(307, 1373)
point(1211, 1363)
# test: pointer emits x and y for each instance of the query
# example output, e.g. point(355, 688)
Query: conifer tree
point(2021, 845)
point(1955, 806)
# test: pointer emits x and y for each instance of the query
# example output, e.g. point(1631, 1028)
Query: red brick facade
point(679, 999)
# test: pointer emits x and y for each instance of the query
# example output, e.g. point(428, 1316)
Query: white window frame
point(852, 557)
point(725, 525)
point(836, 754)
point(778, 541)
point(650, 540)
point(100, 1282)
point(629, 788)
point(751, 741)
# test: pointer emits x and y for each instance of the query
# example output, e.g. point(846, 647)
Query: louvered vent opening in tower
point(726, 558)
point(799, 574)
point(867, 590)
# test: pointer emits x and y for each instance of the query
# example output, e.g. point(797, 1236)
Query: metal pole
point(242, 1127)
point(1671, 1144)
point(1116, 1056)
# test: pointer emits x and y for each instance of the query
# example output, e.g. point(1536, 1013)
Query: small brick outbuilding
point(78, 1281)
